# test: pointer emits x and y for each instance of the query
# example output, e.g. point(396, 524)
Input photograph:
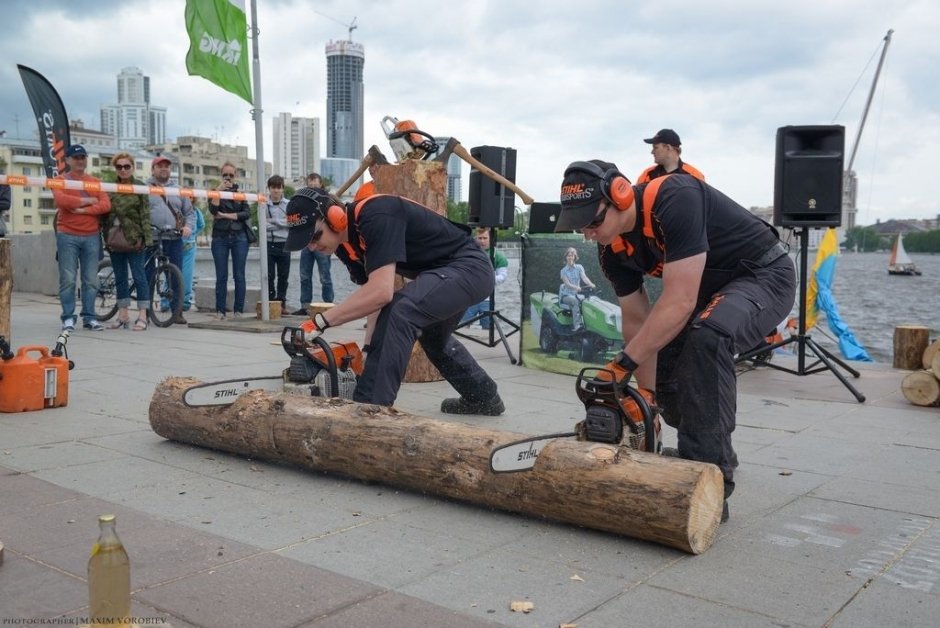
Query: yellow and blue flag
point(819, 299)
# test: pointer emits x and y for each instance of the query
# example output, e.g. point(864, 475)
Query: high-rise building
point(134, 121)
point(454, 165)
point(296, 147)
point(344, 99)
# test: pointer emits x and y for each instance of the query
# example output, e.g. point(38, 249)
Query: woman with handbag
point(127, 233)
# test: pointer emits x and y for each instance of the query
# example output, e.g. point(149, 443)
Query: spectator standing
point(189, 259)
point(310, 257)
point(132, 213)
point(667, 151)
point(229, 222)
point(78, 239)
point(275, 214)
point(500, 272)
point(174, 218)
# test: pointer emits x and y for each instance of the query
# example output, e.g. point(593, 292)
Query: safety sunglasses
point(598, 220)
point(123, 167)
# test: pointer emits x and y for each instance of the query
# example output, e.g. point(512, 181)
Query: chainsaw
point(615, 413)
point(406, 140)
point(320, 370)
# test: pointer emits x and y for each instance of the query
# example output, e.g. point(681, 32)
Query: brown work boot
point(459, 405)
point(179, 320)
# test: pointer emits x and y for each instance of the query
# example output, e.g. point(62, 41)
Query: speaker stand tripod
point(496, 318)
point(825, 361)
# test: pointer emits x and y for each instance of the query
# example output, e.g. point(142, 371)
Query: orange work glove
point(314, 327)
point(622, 367)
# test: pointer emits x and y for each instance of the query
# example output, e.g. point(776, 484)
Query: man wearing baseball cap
point(377, 238)
point(78, 239)
point(666, 151)
point(726, 281)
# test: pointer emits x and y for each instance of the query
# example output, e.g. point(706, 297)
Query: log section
point(921, 388)
point(6, 287)
point(929, 353)
point(665, 500)
point(910, 341)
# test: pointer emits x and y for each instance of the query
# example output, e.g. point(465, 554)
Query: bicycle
point(166, 275)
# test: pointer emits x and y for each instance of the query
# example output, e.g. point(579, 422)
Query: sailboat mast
point(871, 94)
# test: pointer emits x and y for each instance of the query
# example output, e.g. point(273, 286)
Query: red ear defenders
point(615, 187)
point(332, 214)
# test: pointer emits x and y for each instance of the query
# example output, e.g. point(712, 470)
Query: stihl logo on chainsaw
point(528, 454)
point(231, 392)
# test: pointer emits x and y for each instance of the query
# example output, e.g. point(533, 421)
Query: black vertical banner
point(51, 118)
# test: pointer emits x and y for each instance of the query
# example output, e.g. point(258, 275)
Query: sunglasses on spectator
point(123, 167)
point(228, 176)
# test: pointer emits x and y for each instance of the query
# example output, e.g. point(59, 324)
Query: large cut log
point(666, 500)
point(935, 365)
point(424, 182)
point(910, 341)
point(921, 388)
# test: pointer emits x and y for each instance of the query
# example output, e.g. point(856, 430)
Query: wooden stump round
point(935, 365)
point(910, 341)
point(922, 388)
point(932, 350)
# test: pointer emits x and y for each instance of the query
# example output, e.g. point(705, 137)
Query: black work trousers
point(696, 386)
point(428, 310)
point(279, 270)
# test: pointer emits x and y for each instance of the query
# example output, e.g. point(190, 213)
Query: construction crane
point(350, 27)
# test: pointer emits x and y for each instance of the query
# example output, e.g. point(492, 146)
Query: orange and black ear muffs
point(335, 218)
point(333, 214)
point(615, 187)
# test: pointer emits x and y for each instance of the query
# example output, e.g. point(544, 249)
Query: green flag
point(218, 44)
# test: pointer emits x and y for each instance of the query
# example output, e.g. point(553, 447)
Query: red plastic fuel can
point(28, 383)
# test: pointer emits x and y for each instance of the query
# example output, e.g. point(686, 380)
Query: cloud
point(556, 81)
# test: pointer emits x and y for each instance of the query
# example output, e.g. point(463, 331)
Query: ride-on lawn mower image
point(553, 325)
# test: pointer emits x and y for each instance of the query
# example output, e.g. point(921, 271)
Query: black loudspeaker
point(808, 176)
point(491, 204)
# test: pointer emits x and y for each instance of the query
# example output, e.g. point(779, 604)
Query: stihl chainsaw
point(321, 370)
point(406, 140)
point(615, 413)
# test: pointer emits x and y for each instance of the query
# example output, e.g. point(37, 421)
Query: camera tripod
point(827, 360)
point(495, 317)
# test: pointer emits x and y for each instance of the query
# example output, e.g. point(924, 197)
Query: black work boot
point(459, 405)
point(725, 515)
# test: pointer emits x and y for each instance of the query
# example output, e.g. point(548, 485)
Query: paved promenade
point(834, 521)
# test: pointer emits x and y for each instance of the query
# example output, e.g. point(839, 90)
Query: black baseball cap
point(305, 208)
point(665, 136)
point(581, 193)
point(75, 150)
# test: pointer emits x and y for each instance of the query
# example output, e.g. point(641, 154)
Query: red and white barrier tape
point(122, 188)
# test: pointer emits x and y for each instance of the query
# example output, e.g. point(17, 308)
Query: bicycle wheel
point(166, 281)
point(106, 297)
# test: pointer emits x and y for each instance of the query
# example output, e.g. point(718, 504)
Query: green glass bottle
point(109, 578)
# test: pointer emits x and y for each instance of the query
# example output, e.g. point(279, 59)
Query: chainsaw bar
point(226, 392)
point(521, 455)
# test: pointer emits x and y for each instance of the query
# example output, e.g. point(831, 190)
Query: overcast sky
point(557, 81)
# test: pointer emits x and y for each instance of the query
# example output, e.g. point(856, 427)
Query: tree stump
point(935, 365)
point(921, 388)
point(424, 182)
point(6, 287)
point(910, 341)
point(614, 489)
point(932, 349)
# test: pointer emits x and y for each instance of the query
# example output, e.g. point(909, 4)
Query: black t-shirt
point(688, 217)
point(394, 230)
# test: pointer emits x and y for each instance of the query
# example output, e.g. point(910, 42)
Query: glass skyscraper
point(344, 100)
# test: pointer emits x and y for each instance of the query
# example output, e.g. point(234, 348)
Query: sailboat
point(900, 262)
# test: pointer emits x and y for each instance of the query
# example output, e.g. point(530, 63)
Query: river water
point(870, 301)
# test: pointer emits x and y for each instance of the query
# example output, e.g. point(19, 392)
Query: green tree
point(863, 239)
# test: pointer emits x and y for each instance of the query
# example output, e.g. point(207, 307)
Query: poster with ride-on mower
point(570, 315)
